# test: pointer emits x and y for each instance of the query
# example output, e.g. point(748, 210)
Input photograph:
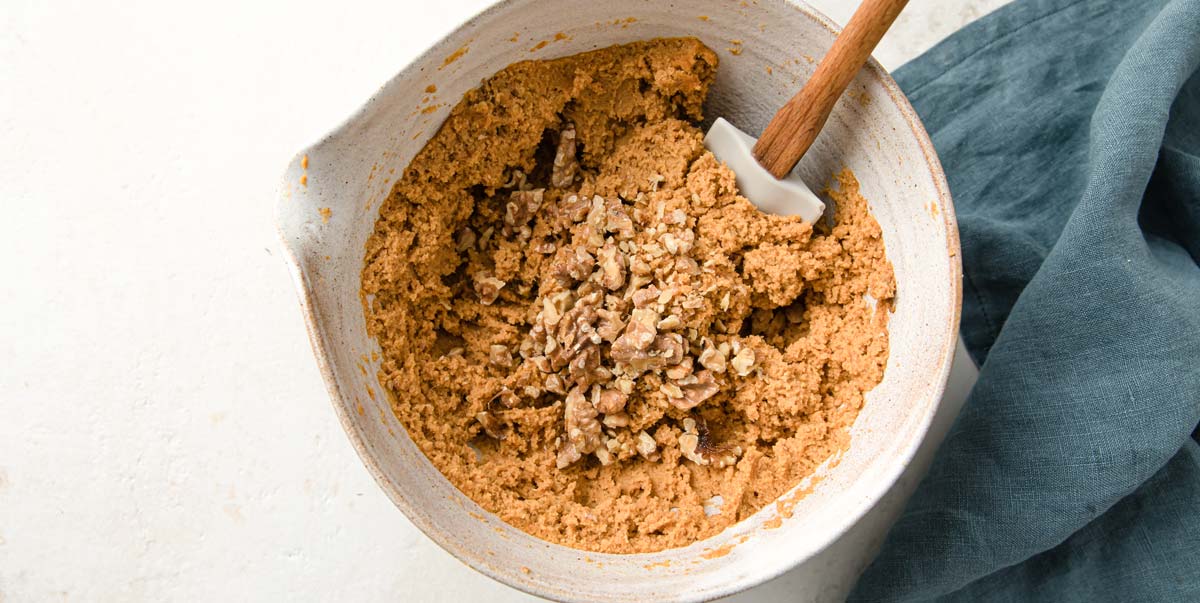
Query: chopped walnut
point(584, 367)
point(640, 267)
point(583, 430)
point(597, 221)
point(576, 324)
point(542, 364)
point(686, 265)
point(642, 298)
point(670, 348)
point(487, 287)
point(572, 209)
point(609, 401)
point(612, 267)
point(743, 362)
point(616, 419)
point(554, 384)
point(667, 295)
point(712, 359)
point(499, 356)
point(724, 456)
point(646, 446)
point(610, 325)
point(617, 445)
point(671, 322)
point(492, 426)
point(464, 240)
point(688, 443)
point(604, 455)
point(567, 454)
point(696, 445)
point(521, 207)
point(632, 349)
point(618, 222)
point(695, 389)
point(625, 384)
point(672, 391)
point(517, 180)
point(506, 398)
point(572, 265)
point(555, 306)
point(681, 370)
point(565, 163)
point(670, 243)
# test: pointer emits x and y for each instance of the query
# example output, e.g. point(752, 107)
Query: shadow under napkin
point(1070, 135)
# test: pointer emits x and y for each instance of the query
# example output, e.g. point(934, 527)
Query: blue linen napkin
point(1070, 134)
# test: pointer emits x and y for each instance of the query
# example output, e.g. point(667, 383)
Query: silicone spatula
point(763, 167)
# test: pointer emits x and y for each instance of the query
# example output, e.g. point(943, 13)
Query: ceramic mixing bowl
point(331, 195)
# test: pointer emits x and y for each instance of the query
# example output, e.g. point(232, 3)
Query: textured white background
point(164, 433)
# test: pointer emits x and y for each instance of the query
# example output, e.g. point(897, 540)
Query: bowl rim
point(881, 487)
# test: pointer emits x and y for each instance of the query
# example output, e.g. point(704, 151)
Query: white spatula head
point(786, 197)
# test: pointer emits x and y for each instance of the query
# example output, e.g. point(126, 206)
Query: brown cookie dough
point(588, 330)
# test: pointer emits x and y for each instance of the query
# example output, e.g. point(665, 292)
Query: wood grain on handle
point(796, 124)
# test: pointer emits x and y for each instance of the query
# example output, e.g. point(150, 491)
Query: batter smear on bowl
point(588, 330)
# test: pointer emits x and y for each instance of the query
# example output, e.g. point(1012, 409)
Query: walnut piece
point(464, 240)
point(646, 446)
point(618, 221)
point(572, 209)
point(566, 165)
point(670, 322)
point(695, 389)
point(604, 455)
point(583, 430)
point(681, 370)
point(499, 356)
point(743, 362)
point(521, 207)
point(506, 398)
point(554, 384)
point(631, 351)
point(712, 359)
point(696, 446)
point(492, 426)
point(487, 287)
point(572, 264)
point(612, 267)
point(616, 419)
point(567, 454)
point(609, 401)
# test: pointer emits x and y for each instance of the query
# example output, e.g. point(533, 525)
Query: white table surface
point(164, 432)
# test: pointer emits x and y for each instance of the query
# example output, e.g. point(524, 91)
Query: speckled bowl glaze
point(331, 195)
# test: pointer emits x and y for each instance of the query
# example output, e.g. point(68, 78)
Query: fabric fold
point(1069, 133)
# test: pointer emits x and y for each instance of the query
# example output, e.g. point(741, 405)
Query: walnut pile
point(617, 315)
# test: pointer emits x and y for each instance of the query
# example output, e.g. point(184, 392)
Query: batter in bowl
point(591, 334)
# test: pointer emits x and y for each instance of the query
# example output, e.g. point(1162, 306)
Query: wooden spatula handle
point(796, 124)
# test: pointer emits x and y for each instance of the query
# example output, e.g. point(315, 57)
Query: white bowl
point(873, 130)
